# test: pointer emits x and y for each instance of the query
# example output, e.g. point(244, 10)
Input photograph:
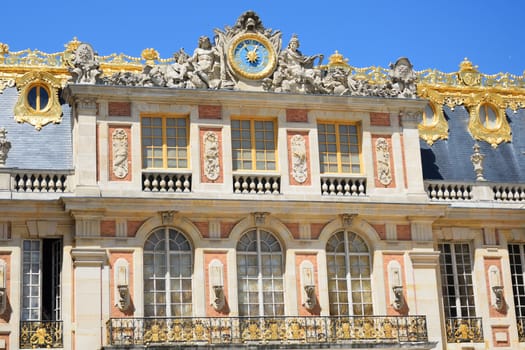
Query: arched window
point(168, 267)
point(260, 274)
point(348, 260)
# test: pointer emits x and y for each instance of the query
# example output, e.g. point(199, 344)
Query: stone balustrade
point(443, 191)
point(166, 182)
point(256, 184)
point(509, 192)
point(39, 182)
point(343, 186)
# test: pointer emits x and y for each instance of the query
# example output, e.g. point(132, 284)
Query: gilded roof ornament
point(150, 55)
point(336, 60)
point(468, 73)
point(478, 92)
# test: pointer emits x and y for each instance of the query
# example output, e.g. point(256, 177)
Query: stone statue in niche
point(403, 78)
point(383, 162)
point(5, 146)
point(211, 155)
point(119, 140)
point(299, 168)
point(85, 68)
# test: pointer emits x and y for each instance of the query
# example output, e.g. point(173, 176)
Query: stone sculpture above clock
point(248, 56)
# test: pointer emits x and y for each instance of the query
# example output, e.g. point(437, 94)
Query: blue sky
point(432, 34)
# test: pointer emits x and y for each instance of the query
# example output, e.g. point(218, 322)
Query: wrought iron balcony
point(464, 329)
point(41, 334)
point(230, 331)
point(520, 323)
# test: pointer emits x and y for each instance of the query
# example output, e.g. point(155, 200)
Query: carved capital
point(87, 105)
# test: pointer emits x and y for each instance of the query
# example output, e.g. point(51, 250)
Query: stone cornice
point(88, 257)
point(241, 98)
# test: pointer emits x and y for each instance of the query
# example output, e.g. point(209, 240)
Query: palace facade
point(246, 195)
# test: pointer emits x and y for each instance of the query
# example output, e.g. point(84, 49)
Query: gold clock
point(252, 56)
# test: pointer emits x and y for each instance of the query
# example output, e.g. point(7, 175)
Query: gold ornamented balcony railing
point(166, 182)
point(267, 330)
point(466, 329)
point(41, 334)
point(520, 324)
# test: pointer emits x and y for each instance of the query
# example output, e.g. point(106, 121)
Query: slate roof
point(449, 160)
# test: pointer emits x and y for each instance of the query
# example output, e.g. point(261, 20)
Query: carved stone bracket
point(260, 218)
point(347, 219)
point(167, 217)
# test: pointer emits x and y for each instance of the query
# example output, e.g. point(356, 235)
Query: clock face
point(252, 56)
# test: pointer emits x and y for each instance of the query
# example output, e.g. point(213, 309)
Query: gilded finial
point(72, 45)
point(4, 49)
point(150, 55)
point(466, 65)
point(337, 60)
point(468, 73)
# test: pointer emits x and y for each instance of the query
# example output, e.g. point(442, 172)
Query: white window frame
point(458, 306)
point(349, 279)
point(261, 280)
point(167, 278)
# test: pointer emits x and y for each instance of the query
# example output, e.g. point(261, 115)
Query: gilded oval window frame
point(39, 86)
point(497, 114)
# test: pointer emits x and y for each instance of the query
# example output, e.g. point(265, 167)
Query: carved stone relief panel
point(384, 172)
point(211, 155)
point(119, 153)
point(298, 158)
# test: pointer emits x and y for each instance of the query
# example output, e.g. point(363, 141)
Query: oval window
point(429, 115)
point(38, 97)
point(488, 117)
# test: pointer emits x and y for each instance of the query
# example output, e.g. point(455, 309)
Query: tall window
point(41, 274)
point(253, 145)
point(168, 267)
point(349, 289)
point(517, 259)
point(165, 142)
point(339, 148)
point(456, 280)
point(260, 274)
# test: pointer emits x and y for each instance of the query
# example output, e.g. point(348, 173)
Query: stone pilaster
point(88, 292)
point(86, 147)
point(412, 156)
point(425, 264)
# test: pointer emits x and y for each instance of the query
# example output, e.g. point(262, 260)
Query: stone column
point(425, 263)
point(87, 309)
point(86, 147)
